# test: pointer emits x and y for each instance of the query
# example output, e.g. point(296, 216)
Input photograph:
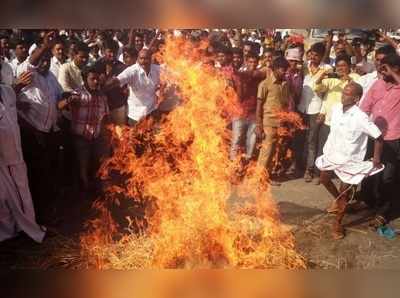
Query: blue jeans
point(243, 128)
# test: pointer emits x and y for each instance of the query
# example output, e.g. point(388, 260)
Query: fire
point(290, 123)
point(175, 177)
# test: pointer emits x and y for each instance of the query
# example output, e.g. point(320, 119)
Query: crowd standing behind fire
point(59, 89)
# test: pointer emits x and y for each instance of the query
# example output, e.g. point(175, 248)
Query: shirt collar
point(74, 65)
point(273, 79)
point(388, 85)
point(349, 111)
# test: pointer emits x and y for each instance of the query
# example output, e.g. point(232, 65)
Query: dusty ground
point(302, 208)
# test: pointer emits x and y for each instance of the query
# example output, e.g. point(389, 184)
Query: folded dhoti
point(350, 172)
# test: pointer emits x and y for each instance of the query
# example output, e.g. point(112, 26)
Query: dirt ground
point(302, 208)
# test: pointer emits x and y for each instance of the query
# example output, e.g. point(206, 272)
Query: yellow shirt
point(332, 87)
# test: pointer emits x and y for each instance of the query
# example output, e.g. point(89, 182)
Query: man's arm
point(261, 95)
point(378, 147)
point(44, 48)
point(328, 47)
point(131, 37)
point(111, 83)
point(388, 40)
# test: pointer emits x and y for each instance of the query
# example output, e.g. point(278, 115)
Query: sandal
point(333, 208)
point(338, 233)
point(378, 221)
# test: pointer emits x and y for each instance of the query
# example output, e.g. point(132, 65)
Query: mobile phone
point(333, 75)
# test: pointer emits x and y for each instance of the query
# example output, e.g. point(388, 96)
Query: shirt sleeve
point(367, 103)
point(63, 78)
point(369, 127)
point(127, 76)
point(262, 91)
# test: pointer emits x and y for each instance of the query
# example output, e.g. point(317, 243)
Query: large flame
point(179, 173)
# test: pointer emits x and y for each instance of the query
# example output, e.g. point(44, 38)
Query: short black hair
point(223, 49)
point(110, 44)
point(59, 40)
point(248, 43)
point(238, 51)
point(252, 54)
point(20, 41)
point(87, 70)
point(278, 53)
point(280, 62)
point(131, 51)
point(343, 57)
point(386, 50)
point(82, 47)
point(391, 60)
point(269, 50)
point(138, 34)
point(318, 48)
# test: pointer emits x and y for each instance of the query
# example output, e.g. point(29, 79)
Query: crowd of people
point(60, 88)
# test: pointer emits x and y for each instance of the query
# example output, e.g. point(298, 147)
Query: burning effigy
point(177, 173)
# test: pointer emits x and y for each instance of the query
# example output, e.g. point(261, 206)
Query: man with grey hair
point(345, 150)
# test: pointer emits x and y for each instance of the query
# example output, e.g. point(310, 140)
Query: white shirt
point(55, 65)
point(142, 89)
point(7, 74)
point(43, 94)
point(10, 144)
point(16, 66)
point(32, 48)
point(310, 102)
point(366, 81)
point(348, 137)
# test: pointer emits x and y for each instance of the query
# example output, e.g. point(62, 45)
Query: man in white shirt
point(38, 113)
point(367, 80)
point(345, 150)
point(310, 106)
point(59, 56)
point(21, 53)
point(16, 207)
point(143, 80)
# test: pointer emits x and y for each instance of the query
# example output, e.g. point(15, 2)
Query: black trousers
point(382, 190)
point(41, 154)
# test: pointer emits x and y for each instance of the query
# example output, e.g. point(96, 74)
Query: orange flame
point(290, 123)
point(179, 171)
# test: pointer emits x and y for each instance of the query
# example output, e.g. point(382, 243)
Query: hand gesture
point(24, 79)
point(342, 36)
point(48, 39)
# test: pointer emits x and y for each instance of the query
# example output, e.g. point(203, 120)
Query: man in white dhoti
point(16, 207)
point(345, 150)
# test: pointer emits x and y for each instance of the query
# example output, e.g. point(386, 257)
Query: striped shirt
point(88, 113)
